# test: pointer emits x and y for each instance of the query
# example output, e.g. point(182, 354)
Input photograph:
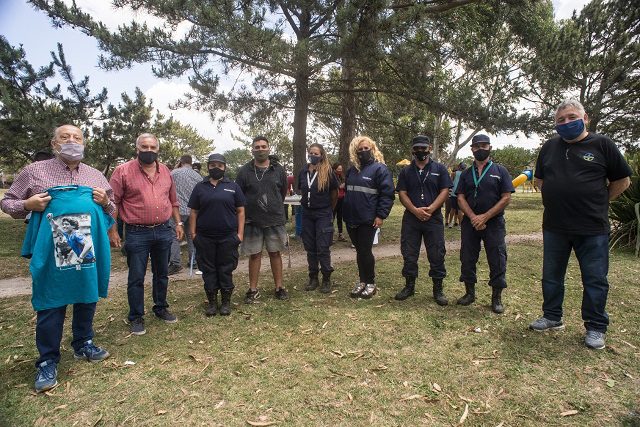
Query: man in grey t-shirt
point(186, 179)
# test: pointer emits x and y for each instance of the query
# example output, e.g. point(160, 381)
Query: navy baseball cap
point(420, 141)
point(480, 138)
point(217, 158)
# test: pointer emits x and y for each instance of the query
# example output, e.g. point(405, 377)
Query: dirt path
point(22, 285)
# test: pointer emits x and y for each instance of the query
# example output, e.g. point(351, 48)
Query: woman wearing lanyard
point(319, 188)
point(367, 202)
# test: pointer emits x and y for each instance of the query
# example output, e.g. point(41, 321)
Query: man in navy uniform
point(578, 173)
point(484, 191)
point(423, 187)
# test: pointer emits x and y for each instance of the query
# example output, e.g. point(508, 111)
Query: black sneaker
point(137, 326)
point(282, 294)
point(251, 296)
point(166, 315)
point(174, 269)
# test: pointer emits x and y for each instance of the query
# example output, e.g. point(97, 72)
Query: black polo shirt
point(217, 207)
point(423, 186)
point(319, 199)
point(575, 191)
point(490, 188)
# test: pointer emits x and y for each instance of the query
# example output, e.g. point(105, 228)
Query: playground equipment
point(525, 176)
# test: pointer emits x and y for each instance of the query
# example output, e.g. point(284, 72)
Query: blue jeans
point(142, 243)
point(49, 325)
point(592, 253)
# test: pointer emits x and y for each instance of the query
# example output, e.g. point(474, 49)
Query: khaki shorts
point(255, 238)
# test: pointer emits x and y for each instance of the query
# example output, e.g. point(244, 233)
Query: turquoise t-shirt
point(69, 249)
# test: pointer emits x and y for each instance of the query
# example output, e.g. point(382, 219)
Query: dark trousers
point(362, 238)
point(337, 214)
point(494, 245)
point(592, 253)
point(317, 235)
point(49, 326)
point(143, 243)
point(413, 233)
point(217, 259)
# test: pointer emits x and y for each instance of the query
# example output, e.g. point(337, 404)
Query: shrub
point(624, 222)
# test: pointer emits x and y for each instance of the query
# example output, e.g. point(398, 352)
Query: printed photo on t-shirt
point(73, 246)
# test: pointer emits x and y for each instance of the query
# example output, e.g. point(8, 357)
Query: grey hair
point(146, 135)
point(55, 131)
point(570, 103)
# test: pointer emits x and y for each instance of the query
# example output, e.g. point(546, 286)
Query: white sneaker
point(199, 273)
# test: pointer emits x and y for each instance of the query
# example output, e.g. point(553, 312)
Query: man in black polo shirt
point(423, 187)
point(484, 191)
point(216, 223)
point(578, 173)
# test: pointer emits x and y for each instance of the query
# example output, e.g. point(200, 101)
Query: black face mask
point(147, 157)
point(481, 155)
point(421, 156)
point(216, 173)
point(364, 157)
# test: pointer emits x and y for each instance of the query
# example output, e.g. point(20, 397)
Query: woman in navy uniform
point(319, 188)
point(484, 191)
point(217, 227)
point(367, 203)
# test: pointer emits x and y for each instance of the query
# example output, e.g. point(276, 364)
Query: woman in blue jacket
point(367, 202)
point(319, 188)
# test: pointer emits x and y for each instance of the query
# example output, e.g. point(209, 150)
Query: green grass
point(523, 216)
point(331, 360)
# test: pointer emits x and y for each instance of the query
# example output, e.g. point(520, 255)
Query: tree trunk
point(300, 123)
point(348, 113)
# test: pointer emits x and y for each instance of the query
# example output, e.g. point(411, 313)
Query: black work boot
point(212, 308)
point(313, 283)
point(225, 308)
point(470, 295)
point(408, 290)
point(496, 301)
point(438, 295)
point(325, 288)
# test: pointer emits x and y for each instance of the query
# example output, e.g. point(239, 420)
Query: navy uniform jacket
point(423, 188)
point(369, 194)
point(319, 200)
point(490, 189)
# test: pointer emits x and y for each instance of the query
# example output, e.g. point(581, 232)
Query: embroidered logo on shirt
point(588, 157)
point(498, 177)
point(366, 178)
point(229, 190)
point(435, 174)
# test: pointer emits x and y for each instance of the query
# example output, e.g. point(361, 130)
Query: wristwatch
point(180, 223)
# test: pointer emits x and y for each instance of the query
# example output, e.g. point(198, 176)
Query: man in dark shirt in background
point(264, 183)
point(578, 173)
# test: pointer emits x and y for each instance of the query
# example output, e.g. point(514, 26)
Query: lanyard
point(477, 180)
point(309, 182)
point(423, 180)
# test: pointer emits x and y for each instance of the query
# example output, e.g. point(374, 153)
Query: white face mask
point(71, 151)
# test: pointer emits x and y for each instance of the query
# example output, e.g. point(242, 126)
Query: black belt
point(147, 225)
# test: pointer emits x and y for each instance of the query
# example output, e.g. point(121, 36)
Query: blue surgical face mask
point(571, 130)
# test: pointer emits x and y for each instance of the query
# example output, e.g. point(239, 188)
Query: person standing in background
point(337, 211)
point(185, 179)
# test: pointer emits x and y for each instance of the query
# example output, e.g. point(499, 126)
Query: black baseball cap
point(480, 138)
point(217, 158)
point(420, 141)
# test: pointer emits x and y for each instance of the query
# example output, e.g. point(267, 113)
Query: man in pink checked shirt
point(145, 195)
point(29, 194)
